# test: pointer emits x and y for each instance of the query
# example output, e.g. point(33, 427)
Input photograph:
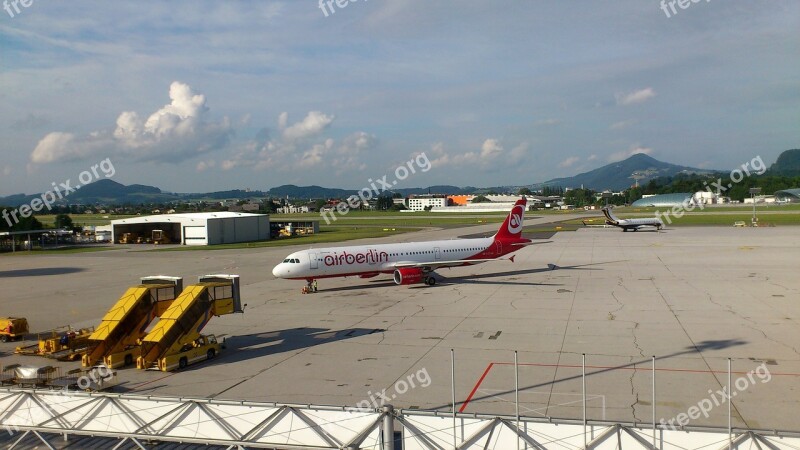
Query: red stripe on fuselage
point(349, 274)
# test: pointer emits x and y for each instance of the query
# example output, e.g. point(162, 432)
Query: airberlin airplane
point(410, 262)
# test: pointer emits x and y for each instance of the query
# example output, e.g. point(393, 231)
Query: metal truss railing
point(135, 421)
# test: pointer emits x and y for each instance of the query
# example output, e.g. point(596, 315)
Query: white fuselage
point(631, 224)
point(369, 260)
point(643, 222)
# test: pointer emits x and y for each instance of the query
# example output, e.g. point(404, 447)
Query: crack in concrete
point(635, 394)
point(763, 333)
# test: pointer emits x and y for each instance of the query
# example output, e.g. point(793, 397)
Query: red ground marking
point(475, 389)
point(574, 366)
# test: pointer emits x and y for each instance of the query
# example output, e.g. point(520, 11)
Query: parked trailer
point(13, 328)
point(96, 379)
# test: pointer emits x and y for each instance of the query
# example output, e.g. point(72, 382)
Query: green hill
point(787, 165)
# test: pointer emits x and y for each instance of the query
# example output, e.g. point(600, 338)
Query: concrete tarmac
point(691, 297)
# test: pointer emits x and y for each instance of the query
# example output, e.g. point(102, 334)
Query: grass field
point(370, 223)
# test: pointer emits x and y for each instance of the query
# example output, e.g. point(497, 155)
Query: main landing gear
point(429, 280)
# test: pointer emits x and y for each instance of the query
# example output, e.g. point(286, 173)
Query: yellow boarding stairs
point(175, 341)
point(116, 341)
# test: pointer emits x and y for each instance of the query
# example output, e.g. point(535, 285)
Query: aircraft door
point(312, 259)
point(437, 254)
point(499, 248)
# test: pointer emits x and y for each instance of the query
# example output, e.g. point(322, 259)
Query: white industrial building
point(194, 228)
point(478, 207)
point(420, 203)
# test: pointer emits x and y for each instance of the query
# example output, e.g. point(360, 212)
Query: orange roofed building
point(459, 200)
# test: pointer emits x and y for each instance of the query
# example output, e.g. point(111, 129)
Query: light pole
point(607, 196)
point(753, 193)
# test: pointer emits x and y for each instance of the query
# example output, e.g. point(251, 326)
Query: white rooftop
point(184, 217)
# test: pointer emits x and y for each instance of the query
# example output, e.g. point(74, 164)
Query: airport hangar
point(788, 195)
point(664, 200)
point(209, 228)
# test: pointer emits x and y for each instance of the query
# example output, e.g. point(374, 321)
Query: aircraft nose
point(275, 271)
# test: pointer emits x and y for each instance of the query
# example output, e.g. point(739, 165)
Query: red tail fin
point(511, 229)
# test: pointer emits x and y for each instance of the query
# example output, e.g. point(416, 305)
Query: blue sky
point(195, 96)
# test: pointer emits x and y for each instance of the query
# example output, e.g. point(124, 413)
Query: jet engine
point(412, 275)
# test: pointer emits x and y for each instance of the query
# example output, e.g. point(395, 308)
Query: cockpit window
point(286, 260)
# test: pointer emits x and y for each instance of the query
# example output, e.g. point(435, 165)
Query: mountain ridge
point(623, 174)
point(614, 176)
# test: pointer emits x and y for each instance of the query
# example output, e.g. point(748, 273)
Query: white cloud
point(313, 124)
point(300, 146)
point(7, 170)
point(315, 155)
point(592, 157)
point(491, 148)
point(568, 162)
point(632, 98)
point(352, 152)
point(633, 150)
point(173, 133)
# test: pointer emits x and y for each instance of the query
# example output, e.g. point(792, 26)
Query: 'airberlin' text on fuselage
point(345, 258)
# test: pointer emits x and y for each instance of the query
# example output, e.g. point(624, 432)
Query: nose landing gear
point(310, 287)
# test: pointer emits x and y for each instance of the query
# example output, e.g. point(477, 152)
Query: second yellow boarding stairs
point(167, 345)
point(115, 342)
